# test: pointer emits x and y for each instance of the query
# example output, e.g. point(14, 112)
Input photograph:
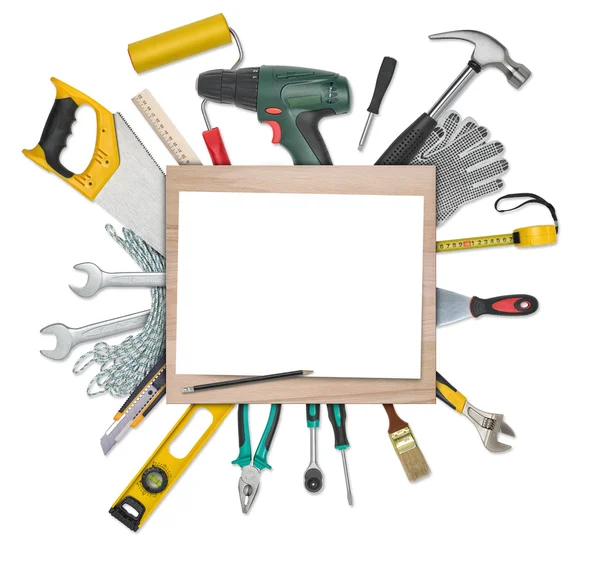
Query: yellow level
point(162, 470)
point(534, 236)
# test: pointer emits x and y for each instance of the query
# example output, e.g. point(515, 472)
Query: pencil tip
point(307, 372)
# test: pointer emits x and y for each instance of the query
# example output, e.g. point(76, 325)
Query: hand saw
point(138, 405)
point(162, 470)
point(122, 176)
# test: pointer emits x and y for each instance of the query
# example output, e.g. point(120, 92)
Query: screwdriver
point(313, 477)
point(337, 416)
point(386, 72)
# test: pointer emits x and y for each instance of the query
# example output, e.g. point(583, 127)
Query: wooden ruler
point(164, 128)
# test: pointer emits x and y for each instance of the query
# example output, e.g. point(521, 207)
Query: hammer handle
point(407, 145)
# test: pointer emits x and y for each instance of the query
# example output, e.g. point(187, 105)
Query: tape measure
point(164, 128)
point(534, 236)
point(162, 470)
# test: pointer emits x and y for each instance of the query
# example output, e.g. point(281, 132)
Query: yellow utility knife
point(122, 176)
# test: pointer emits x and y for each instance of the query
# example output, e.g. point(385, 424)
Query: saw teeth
point(140, 141)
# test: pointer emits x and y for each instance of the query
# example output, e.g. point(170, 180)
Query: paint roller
point(181, 43)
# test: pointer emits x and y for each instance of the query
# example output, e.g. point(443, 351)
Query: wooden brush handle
point(396, 423)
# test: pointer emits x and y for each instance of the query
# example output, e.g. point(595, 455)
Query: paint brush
point(406, 448)
point(245, 380)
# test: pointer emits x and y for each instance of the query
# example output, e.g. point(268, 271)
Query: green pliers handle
point(260, 456)
point(313, 412)
point(337, 416)
point(245, 456)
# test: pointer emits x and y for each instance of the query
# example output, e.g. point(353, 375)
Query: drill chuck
point(239, 87)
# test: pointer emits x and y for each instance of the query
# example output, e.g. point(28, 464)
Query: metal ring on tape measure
point(154, 480)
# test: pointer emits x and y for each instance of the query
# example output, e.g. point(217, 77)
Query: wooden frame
point(393, 180)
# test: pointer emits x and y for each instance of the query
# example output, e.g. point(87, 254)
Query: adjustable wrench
point(488, 425)
point(98, 279)
point(68, 337)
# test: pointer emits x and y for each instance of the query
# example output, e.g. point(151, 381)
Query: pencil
point(245, 380)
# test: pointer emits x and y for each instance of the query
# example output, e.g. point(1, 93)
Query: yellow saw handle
point(57, 130)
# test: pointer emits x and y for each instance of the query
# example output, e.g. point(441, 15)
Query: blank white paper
point(277, 282)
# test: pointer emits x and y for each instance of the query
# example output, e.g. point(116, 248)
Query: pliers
point(250, 478)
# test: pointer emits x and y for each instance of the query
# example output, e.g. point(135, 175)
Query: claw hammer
point(488, 52)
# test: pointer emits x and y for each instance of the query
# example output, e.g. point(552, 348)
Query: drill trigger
point(276, 131)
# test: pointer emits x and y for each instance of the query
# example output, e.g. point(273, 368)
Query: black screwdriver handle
point(386, 72)
point(407, 145)
point(337, 416)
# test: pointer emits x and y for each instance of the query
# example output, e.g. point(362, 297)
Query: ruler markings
point(164, 128)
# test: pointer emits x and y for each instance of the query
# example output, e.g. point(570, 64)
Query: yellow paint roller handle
point(46, 153)
point(179, 43)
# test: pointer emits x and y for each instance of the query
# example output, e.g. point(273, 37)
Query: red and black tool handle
point(512, 304)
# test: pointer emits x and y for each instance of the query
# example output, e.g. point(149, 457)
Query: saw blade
point(451, 307)
point(135, 193)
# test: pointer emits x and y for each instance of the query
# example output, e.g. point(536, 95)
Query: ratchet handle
point(407, 145)
point(514, 305)
point(313, 411)
point(386, 72)
point(445, 391)
point(216, 147)
point(337, 416)
point(262, 451)
point(245, 456)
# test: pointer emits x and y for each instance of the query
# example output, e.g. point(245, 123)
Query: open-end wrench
point(488, 425)
point(98, 279)
point(67, 337)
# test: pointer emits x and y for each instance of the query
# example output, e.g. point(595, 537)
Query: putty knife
point(453, 307)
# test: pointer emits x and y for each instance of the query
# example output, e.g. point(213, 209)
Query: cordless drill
point(292, 100)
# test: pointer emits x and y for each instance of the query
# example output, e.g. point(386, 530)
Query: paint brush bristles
point(410, 455)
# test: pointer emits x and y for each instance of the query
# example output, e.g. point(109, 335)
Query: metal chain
point(123, 366)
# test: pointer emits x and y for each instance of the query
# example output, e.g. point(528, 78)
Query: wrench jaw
point(64, 341)
point(489, 425)
point(94, 281)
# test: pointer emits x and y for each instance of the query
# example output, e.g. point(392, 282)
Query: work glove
point(467, 165)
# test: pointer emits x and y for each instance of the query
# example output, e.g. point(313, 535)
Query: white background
point(299, 298)
point(536, 503)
